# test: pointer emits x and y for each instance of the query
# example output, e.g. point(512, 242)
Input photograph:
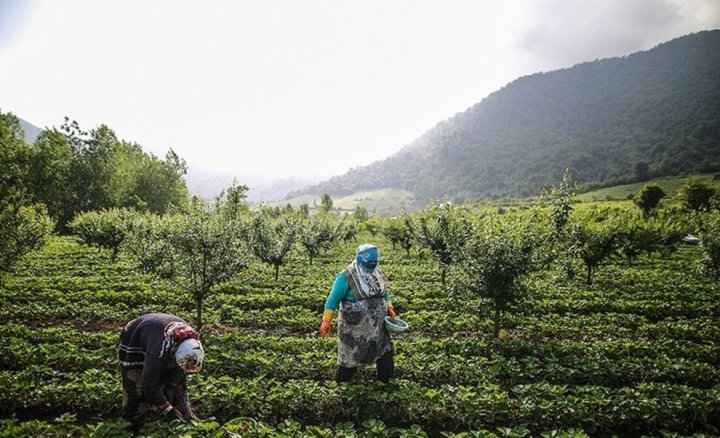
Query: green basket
point(396, 326)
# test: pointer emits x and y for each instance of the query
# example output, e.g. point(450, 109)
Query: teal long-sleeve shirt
point(341, 292)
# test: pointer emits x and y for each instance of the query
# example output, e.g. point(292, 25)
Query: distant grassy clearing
point(384, 201)
point(669, 184)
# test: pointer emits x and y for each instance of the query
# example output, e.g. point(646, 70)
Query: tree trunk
point(444, 274)
point(496, 328)
point(277, 271)
point(115, 253)
point(589, 275)
point(198, 315)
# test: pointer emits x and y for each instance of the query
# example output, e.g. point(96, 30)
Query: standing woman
point(361, 293)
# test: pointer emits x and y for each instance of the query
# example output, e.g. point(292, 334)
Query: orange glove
point(325, 326)
point(391, 311)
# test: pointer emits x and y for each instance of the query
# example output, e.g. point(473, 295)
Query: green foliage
point(326, 203)
point(103, 229)
point(361, 214)
point(347, 230)
point(648, 198)
point(232, 200)
point(696, 196)
point(593, 244)
point(273, 238)
point(373, 226)
point(400, 230)
point(561, 198)
point(23, 225)
point(393, 229)
point(72, 171)
point(318, 234)
point(15, 157)
point(444, 230)
point(495, 262)
point(194, 251)
point(23, 228)
point(635, 354)
point(710, 244)
point(635, 237)
point(51, 175)
point(158, 185)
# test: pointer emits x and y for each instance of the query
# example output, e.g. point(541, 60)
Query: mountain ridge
point(649, 113)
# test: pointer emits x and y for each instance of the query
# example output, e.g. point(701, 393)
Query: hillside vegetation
point(669, 184)
point(611, 121)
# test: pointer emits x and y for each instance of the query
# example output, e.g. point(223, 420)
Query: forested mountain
point(610, 121)
point(31, 131)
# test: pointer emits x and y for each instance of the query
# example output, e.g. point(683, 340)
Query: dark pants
point(136, 410)
point(385, 370)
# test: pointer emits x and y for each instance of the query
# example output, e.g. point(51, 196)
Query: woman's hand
point(173, 414)
point(391, 312)
point(325, 328)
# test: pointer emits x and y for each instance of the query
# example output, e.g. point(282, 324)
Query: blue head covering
point(368, 256)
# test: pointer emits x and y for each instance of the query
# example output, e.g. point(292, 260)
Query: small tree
point(392, 228)
point(232, 201)
point(561, 198)
point(401, 230)
point(444, 230)
point(408, 237)
point(648, 198)
point(104, 229)
point(194, 251)
point(272, 239)
point(695, 195)
point(495, 262)
point(372, 226)
point(326, 203)
point(347, 230)
point(361, 214)
point(317, 234)
point(593, 245)
point(148, 243)
point(710, 245)
point(23, 228)
point(634, 238)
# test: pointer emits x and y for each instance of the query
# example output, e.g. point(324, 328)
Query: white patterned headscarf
point(190, 355)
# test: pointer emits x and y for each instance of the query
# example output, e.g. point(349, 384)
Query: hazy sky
point(300, 87)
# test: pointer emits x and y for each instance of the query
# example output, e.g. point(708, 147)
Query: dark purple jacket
point(142, 345)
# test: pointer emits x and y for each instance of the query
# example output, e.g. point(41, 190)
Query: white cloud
point(559, 33)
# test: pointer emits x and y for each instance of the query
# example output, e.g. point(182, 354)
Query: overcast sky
point(280, 88)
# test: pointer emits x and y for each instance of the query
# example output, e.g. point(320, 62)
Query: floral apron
point(362, 335)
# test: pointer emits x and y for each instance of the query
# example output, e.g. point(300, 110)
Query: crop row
point(539, 406)
point(468, 362)
point(617, 349)
point(65, 426)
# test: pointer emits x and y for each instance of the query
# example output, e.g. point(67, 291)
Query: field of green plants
point(634, 353)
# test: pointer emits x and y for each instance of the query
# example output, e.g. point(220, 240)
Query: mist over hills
point(611, 121)
point(208, 184)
